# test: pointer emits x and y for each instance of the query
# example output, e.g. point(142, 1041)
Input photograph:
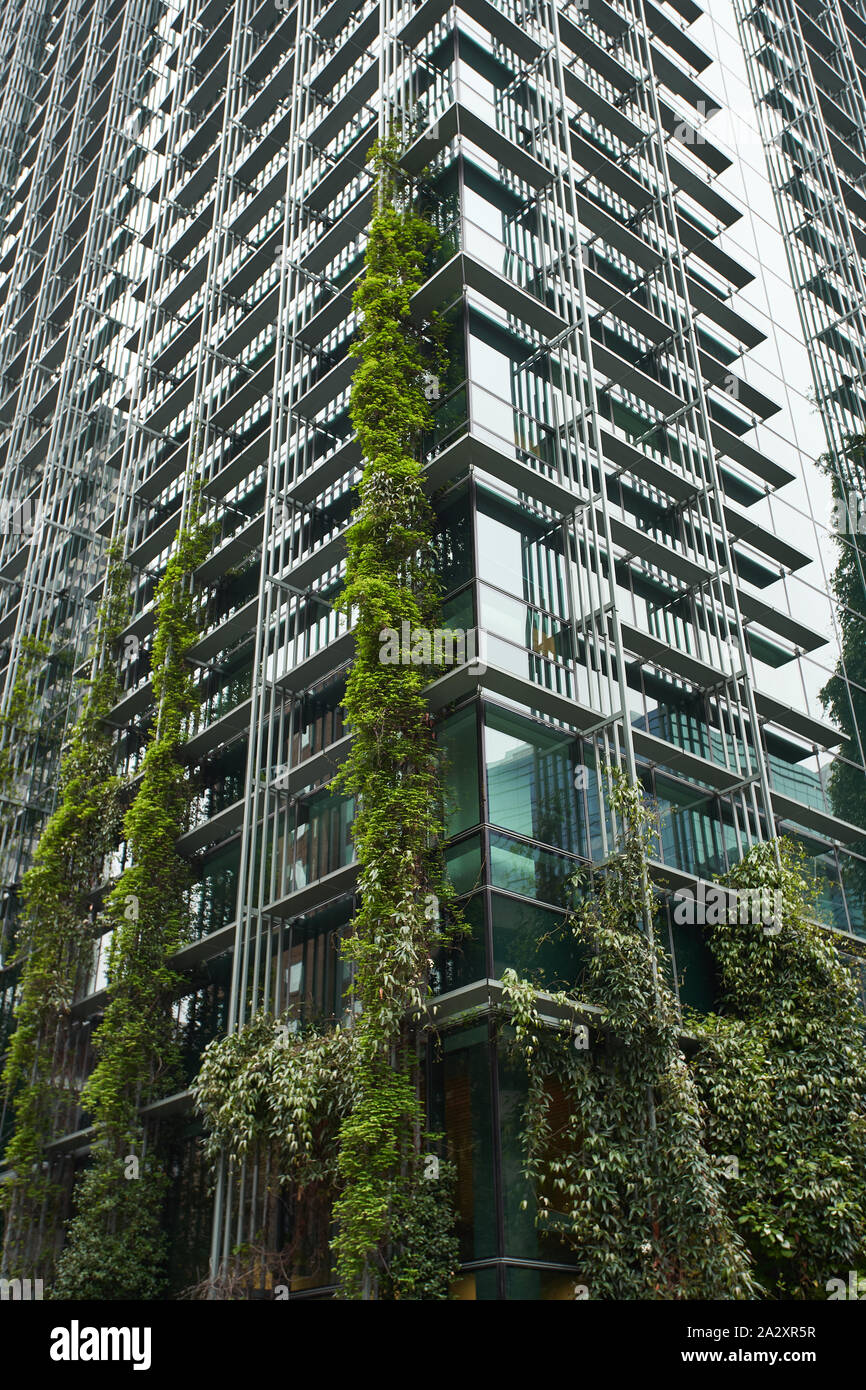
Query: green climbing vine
point(393, 770)
point(843, 694)
point(116, 1245)
point(20, 721)
point(56, 938)
point(738, 1174)
point(345, 1107)
point(277, 1097)
point(625, 1179)
point(782, 1070)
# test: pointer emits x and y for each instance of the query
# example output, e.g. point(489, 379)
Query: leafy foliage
point(56, 935)
point(136, 1047)
point(115, 1249)
point(393, 768)
point(843, 694)
point(633, 1178)
point(266, 1093)
point(782, 1070)
point(627, 1180)
point(423, 1250)
point(303, 1106)
point(19, 721)
point(343, 1109)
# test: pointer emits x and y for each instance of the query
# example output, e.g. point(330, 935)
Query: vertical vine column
point(116, 1243)
point(393, 770)
point(56, 939)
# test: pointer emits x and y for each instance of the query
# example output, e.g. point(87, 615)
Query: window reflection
point(531, 781)
point(323, 842)
point(529, 871)
point(458, 739)
point(461, 1107)
point(535, 941)
point(310, 977)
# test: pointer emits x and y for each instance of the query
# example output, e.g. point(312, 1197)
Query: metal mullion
point(63, 432)
point(705, 526)
point(690, 342)
point(597, 640)
point(18, 435)
point(218, 253)
point(256, 798)
point(813, 120)
point(852, 88)
point(562, 260)
point(159, 272)
point(825, 376)
point(207, 372)
point(63, 467)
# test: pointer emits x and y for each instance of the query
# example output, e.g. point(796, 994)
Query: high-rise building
point(650, 270)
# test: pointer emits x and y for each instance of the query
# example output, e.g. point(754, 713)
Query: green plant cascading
point(56, 941)
point(393, 769)
point(20, 720)
point(364, 1129)
point(116, 1247)
point(626, 1181)
point(782, 1069)
point(276, 1100)
point(844, 694)
point(273, 1100)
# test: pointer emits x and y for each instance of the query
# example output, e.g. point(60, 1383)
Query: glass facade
point(650, 270)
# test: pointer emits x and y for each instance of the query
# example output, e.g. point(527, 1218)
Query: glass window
point(201, 1014)
point(465, 961)
point(459, 610)
point(522, 1238)
point(521, 555)
point(213, 898)
point(461, 1107)
point(324, 842)
point(458, 739)
point(535, 942)
point(313, 977)
point(453, 544)
point(691, 836)
point(529, 871)
point(463, 864)
point(696, 975)
point(531, 781)
point(500, 551)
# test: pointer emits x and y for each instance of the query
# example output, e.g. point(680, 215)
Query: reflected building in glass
point(652, 228)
